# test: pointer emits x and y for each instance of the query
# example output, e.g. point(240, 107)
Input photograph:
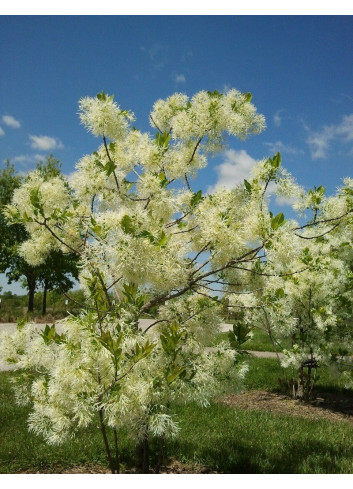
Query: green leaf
point(50, 335)
point(279, 293)
point(163, 240)
point(109, 167)
point(239, 335)
point(148, 235)
point(163, 179)
point(277, 221)
point(171, 338)
point(34, 198)
point(162, 140)
point(128, 184)
point(112, 344)
point(276, 160)
point(130, 290)
point(143, 351)
point(26, 218)
point(127, 225)
point(21, 322)
point(101, 96)
point(99, 163)
point(214, 94)
point(196, 198)
point(248, 186)
point(175, 373)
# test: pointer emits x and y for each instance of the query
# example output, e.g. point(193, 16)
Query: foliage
point(307, 315)
point(139, 231)
point(220, 438)
point(59, 268)
point(14, 307)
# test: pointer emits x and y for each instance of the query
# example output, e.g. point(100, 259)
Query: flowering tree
point(58, 268)
point(311, 309)
point(147, 244)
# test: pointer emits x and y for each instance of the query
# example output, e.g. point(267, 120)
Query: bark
point(143, 456)
point(117, 454)
point(300, 390)
point(31, 290)
point(44, 304)
point(106, 442)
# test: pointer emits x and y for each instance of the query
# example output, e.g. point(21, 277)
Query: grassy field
point(259, 342)
point(15, 306)
point(221, 438)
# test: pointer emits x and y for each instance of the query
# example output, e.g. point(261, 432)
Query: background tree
point(58, 267)
point(57, 273)
point(11, 263)
point(311, 310)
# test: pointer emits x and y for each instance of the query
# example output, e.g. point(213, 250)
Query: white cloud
point(45, 143)
point(283, 148)
point(277, 119)
point(180, 78)
point(345, 129)
point(25, 159)
point(319, 141)
point(235, 168)
point(279, 199)
point(2, 132)
point(157, 53)
point(11, 121)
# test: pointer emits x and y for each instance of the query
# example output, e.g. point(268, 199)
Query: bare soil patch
point(332, 406)
point(173, 467)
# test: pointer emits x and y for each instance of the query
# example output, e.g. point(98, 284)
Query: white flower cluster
point(103, 117)
point(208, 114)
point(146, 240)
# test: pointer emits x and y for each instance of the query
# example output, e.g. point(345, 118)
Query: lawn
point(259, 342)
point(225, 437)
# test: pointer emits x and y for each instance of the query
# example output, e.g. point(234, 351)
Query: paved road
point(144, 324)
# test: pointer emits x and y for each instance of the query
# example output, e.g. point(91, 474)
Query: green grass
point(15, 306)
point(21, 450)
point(222, 438)
point(259, 342)
point(267, 374)
point(230, 440)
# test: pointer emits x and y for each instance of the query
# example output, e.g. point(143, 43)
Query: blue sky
point(298, 68)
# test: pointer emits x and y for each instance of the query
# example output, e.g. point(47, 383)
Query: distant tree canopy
point(59, 269)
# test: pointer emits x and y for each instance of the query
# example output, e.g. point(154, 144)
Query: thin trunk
point(44, 304)
point(300, 390)
point(161, 457)
point(117, 455)
point(269, 332)
point(31, 290)
point(106, 442)
point(143, 456)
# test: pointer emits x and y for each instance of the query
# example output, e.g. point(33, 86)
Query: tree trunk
point(143, 456)
point(31, 283)
point(44, 304)
point(300, 391)
point(112, 465)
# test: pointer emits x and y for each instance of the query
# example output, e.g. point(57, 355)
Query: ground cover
point(258, 431)
point(15, 306)
point(259, 342)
